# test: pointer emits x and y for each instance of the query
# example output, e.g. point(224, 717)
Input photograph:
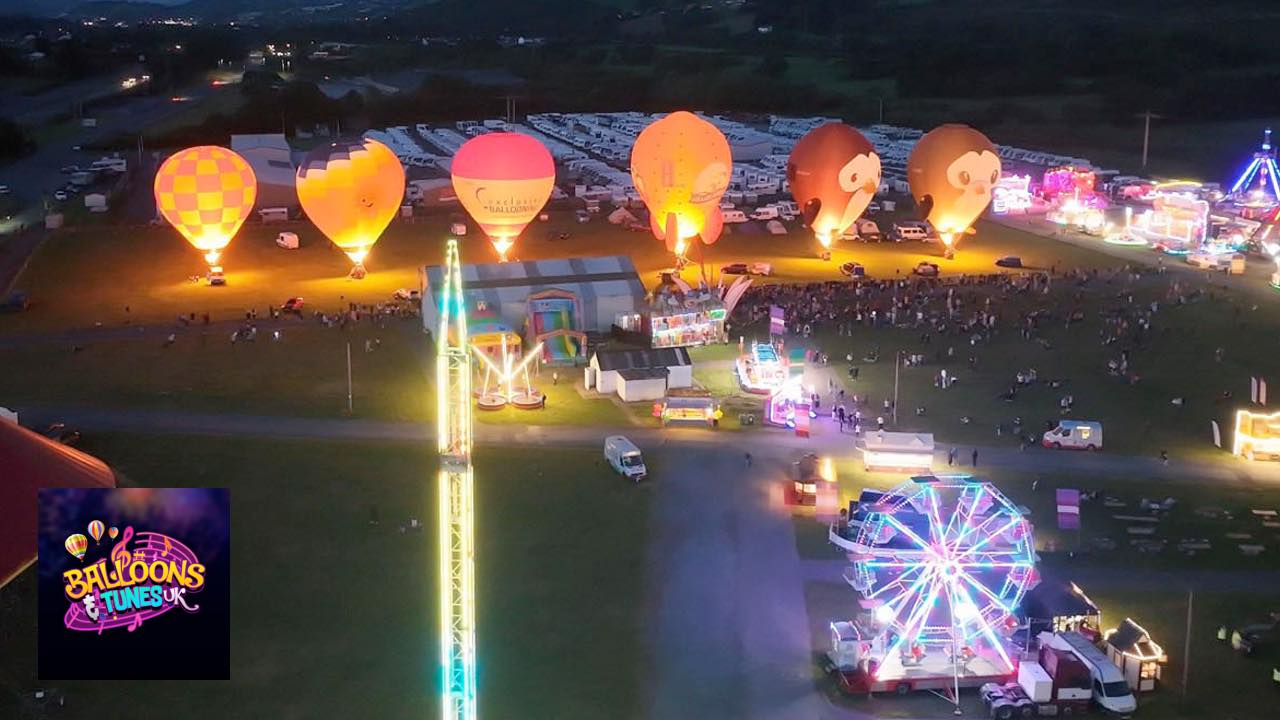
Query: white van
point(287, 240)
point(624, 457)
point(1110, 690)
point(733, 216)
point(910, 231)
point(1075, 434)
point(767, 212)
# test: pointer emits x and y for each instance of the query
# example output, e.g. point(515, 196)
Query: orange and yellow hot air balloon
point(206, 193)
point(112, 532)
point(96, 528)
point(77, 545)
point(681, 166)
point(952, 170)
point(834, 173)
point(503, 179)
point(351, 191)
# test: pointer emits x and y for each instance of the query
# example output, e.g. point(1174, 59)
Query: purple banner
point(1068, 502)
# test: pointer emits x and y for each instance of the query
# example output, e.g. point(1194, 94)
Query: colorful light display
point(351, 191)
point(503, 179)
point(500, 386)
point(455, 499)
point(943, 561)
point(1258, 185)
point(761, 371)
point(681, 166)
point(1176, 223)
point(951, 171)
point(1068, 180)
point(834, 172)
point(206, 193)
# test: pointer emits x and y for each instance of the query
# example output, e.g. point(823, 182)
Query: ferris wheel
point(941, 563)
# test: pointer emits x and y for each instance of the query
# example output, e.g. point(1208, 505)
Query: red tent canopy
point(28, 462)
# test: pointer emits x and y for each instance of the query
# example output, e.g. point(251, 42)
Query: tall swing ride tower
point(456, 498)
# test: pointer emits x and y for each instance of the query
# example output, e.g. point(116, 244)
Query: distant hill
point(54, 8)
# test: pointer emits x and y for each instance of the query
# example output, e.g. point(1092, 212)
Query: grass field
point(334, 617)
point(148, 268)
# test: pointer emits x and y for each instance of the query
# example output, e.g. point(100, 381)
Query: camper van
point(867, 230)
point(766, 212)
point(1110, 690)
point(1075, 435)
point(910, 231)
point(287, 240)
point(624, 457)
point(734, 216)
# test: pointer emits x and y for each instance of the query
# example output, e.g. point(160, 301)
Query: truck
point(624, 457)
point(805, 477)
point(1074, 435)
point(850, 661)
point(1058, 684)
point(1110, 690)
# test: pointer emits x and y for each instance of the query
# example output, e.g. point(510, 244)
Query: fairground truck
point(1058, 684)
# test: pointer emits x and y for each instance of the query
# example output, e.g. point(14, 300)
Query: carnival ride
point(763, 370)
point(552, 318)
point(1176, 223)
point(1257, 189)
point(788, 406)
point(941, 564)
point(455, 499)
point(1011, 195)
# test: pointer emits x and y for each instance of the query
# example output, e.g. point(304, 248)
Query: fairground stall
point(1176, 223)
point(691, 406)
point(1257, 435)
point(790, 406)
point(762, 370)
point(1139, 658)
point(685, 319)
point(906, 451)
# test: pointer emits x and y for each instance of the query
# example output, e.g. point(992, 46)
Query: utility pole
point(349, 394)
point(1186, 650)
point(897, 365)
point(1147, 116)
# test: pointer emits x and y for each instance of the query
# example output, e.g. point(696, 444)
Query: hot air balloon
point(112, 533)
point(206, 193)
point(952, 170)
point(834, 172)
point(503, 179)
point(77, 545)
point(351, 190)
point(95, 530)
point(681, 166)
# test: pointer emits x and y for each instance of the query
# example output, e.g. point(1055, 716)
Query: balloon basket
point(490, 401)
point(529, 400)
point(358, 272)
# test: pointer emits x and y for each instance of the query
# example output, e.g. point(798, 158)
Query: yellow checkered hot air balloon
point(206, 193)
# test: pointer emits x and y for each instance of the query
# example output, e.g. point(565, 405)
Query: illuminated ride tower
point(456, 498)
point(1259, 185)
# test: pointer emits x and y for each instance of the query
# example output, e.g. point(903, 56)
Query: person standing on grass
point(555, 377)
point(975, 457)
point(748, 459)
point(951, 456)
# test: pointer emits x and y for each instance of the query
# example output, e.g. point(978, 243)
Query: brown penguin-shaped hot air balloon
point(834, 173)
point(952, 170)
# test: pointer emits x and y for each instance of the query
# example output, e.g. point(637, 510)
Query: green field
point(335, 617)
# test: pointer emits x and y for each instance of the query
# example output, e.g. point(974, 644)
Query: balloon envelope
point(503, 179)
point(77, 545)
point(681, 167)
point(112, 532)
point(206, 193)
point(351, 191)
point(952, 170)
point(96, 528)
point(834, 173)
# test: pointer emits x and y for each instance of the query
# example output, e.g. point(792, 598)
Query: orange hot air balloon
point(206, 193)
point(952, 170)
point(503, 179)
point(351, 191)
point(681, 166)
point(834, 172)
point(96, 527)
point(77, 545)
point(112, 532)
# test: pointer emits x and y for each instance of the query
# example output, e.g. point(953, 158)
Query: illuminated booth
point(1139, 658)
point(912, 452)
point(763, 370)
point(1176, 223)
point(1257, 435)
point(1057, 607)
point(686, 319)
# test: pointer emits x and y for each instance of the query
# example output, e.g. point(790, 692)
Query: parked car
point(60, 195)
point(59, 432)
point(215, 276)
point(1009, 261)
point(853, 270)
point(747, 269)
point(926, 269)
